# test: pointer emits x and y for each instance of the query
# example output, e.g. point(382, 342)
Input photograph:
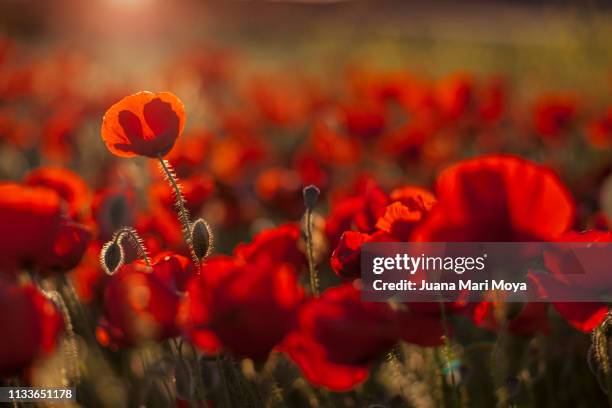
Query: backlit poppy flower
point(31, 324)
point(69, 185)
point(141, 302)
point(339, 336)
point(498, 199)
point(247, 308)
point(143, 124)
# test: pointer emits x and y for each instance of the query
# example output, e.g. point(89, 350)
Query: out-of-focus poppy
point(31, 324)
point(553, 114)
point(141, 303)
point(334, 148)
point(567, 275)
point(498, 198)
point(196, 190)
point(361, 209)
point(69, 185)
point(454, 94)
point(280, 245)
point(599, 131)
point(364, 120)
point(36, 231)
point(346, 258)
point(143, 124)
point(339, 336)
point(247, 308)
point(68, 247)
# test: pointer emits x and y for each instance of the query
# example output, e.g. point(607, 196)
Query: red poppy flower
point(497, 199)
point(360, 209)
point(339, 336)
point(553, 114)
point(599, 131)
point(36, 231)
point(364, 120)
point(280, 245)
point(69, 185)
point(564, 268)
point(68, 246)
point(334, 148)
point(141, 303)
point(143, 124)
point(31, 324)
point(346, 258)
point(454, 95)
point(399, 221)
point(246, 307)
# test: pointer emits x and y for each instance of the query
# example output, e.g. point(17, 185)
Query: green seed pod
point(201, 238)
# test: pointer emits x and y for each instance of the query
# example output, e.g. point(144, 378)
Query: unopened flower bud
point(111, 257)
point(311, 195)
point(201, 238)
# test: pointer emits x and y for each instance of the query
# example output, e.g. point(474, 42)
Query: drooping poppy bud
point(111, 257)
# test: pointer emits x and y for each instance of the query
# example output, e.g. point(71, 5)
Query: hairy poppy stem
point(69, 345)
point(183, 214)
point(601, 352)
point(312, 269)
point(448, 356)
point(135, 240)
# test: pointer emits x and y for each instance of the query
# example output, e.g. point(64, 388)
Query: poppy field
point(186, 230)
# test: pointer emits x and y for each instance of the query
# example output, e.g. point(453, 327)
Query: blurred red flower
point(498, 198)
point(553, 114)
point(280, 245)
point(339, 336)
point(565, 267)
point(141, 303)
point(66, 183)
point(36, 233)
point(31, 324)
point(143, 124)
point(247, 308)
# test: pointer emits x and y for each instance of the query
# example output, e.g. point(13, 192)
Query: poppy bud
point(111, 257)
point(311, 195)
point(201, 238)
